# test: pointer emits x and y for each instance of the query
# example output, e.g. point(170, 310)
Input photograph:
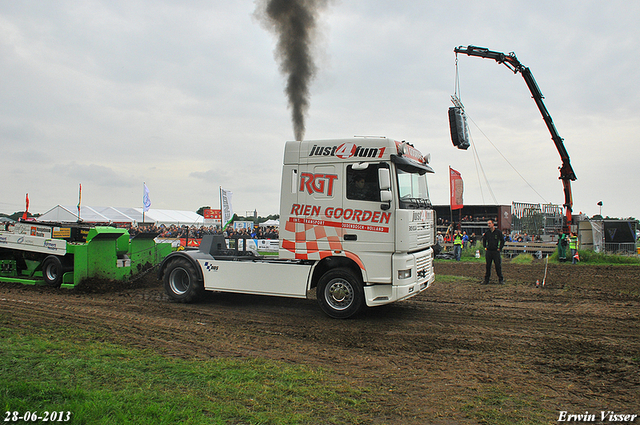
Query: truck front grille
point(424, 233)
point(424, 269)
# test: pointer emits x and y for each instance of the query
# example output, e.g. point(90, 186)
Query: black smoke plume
point(295, 24)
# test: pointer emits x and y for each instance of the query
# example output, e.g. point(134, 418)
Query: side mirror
point(384, 179)
point(385, 196)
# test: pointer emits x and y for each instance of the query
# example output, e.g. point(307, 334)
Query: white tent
point(268, 223)
point(188, 218)
point(65, 213)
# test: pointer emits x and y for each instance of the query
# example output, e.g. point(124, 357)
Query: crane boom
point(511, 61)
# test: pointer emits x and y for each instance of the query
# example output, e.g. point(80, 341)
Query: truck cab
point(360, 204)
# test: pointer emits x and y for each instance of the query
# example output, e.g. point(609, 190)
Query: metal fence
point(620, 248)
point(536, 219)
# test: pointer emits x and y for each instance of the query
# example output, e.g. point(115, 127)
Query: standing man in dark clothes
point(493, 242)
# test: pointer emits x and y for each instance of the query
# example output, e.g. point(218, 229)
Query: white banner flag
point(146, 201)
point(226, 207)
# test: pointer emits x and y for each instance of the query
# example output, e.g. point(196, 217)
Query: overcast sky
point(187, 97)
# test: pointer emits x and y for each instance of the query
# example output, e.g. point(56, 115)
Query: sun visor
point(409, 163)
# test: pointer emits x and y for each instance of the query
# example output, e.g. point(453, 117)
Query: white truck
point(356, 225)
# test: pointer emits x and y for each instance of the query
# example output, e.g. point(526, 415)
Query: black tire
point(181, 281)
point(340, 293)
point(52, 271)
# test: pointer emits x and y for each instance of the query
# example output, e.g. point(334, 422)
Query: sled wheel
point(52, 271)
point(181, 281)
point(340, 293)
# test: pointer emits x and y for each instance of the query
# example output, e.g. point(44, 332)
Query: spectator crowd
point(442, 221)
point(195, 232)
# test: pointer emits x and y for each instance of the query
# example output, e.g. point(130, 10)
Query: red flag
point(456, 188)
point(26, 211)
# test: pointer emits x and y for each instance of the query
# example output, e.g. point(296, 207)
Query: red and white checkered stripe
point(314, 242)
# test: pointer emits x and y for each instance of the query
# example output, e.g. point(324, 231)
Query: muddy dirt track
point(442, 357)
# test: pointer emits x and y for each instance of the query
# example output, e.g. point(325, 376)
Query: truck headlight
point(404, 274)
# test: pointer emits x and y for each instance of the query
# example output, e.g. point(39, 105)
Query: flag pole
point(143, 207)
point(221, 207)
point(450, 198)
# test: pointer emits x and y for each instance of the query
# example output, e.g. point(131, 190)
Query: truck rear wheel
point(181, 281)
point(52, 271)
point(340, 293)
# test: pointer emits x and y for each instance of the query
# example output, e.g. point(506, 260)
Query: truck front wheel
point(181, 281)
point(52, 271)
point(340, 293)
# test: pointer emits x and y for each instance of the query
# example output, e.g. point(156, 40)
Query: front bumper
point(422, 276)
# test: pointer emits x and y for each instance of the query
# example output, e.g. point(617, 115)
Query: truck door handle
point(350, 237)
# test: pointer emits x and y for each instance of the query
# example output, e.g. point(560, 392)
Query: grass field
point(586, 257)
point(49, 367)
point(100, 383)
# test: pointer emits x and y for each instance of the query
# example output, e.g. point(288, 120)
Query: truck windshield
point(412, 189)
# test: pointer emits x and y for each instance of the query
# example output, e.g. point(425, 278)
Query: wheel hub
point(340, 294)
point(51, 273)
point(179, 280)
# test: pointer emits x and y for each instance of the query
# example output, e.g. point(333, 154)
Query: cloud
point(186, 96)
point(97, 174)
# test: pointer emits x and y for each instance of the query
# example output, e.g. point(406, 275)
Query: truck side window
point(362, 185)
